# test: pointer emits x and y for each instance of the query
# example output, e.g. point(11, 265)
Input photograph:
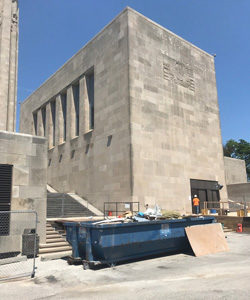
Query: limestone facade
point(8, 63)
point(28, 156)
point(155, 123)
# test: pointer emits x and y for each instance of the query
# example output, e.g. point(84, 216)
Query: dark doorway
point(5, 197)
point(207, 191)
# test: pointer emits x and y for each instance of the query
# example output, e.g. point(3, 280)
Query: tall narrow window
point(64, 114)
point(76, 104)
point(53, 117)
point(90, 90)
point(44, 119)
point(35, 122)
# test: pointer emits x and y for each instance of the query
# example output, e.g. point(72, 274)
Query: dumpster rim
point(130, 224)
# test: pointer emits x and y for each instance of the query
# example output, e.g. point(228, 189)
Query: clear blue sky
point(51, 31)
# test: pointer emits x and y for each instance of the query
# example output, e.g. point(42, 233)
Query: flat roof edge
point(169, 31)
point(71, 58)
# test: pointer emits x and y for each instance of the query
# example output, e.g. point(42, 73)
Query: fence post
point(35, 246)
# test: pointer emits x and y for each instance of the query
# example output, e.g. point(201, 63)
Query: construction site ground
point(176, 276)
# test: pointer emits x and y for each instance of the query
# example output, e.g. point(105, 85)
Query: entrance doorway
point(207, 191)
point(5, 196)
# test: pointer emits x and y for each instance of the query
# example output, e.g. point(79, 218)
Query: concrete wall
point(95, 164)
point(8, 63)
point(239, 192)
point(175, 121)
point(235, 170)
point(28, 155)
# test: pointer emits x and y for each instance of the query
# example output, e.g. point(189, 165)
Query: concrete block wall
point(239, 192)
point(175, 123)
point(235, 170)
point(28, 155)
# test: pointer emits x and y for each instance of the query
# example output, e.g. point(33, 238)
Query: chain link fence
point(19, 244)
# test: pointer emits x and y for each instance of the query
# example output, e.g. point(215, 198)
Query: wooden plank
point(207, 239)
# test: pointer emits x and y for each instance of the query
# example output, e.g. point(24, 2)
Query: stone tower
point(8, 63)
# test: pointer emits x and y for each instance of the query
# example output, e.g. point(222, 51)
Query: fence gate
point(19, 243)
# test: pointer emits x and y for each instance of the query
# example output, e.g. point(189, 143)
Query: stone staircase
point(60, 205)
point(56, 245)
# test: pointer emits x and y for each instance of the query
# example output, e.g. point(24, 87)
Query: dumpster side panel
point(116, 242)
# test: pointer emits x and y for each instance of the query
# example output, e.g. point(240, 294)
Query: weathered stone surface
point(239, 192)
point(8, 63)
point(156, 95)
point(235, 170)
point(29, 177)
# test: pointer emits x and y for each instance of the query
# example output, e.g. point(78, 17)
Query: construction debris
point(168, 214)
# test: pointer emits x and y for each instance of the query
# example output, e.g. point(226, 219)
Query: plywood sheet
point(207, 239)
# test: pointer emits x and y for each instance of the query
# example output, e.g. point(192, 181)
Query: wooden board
point(207, 239)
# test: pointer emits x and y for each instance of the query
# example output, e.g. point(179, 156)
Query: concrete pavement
point(219, 276)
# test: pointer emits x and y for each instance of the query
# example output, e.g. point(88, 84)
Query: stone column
point(82, 88)
point(71, 117)
point(85, 106)
point(40, 129)
point(59, 121)
point(8, 63)
point(49, 126)
point(70, 114)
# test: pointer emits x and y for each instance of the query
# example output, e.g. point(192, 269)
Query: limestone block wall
point(156, 118)
point(9, 14)
point(28, 155)
point(175, 123)
point(95, 163)
point(235, 170)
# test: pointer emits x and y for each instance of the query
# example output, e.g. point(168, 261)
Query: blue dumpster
point(110, 243)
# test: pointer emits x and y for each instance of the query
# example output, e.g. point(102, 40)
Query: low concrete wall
point(28, 155)
point(239, 192)
point(235, 170)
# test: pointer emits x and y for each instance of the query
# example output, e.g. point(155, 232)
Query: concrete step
point(49, 233)
point(53, 236)
point(56, 244)
point(55, 240)
point(50, 256)
point(54, 249)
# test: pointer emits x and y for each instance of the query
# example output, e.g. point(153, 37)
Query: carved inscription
point(179, 74)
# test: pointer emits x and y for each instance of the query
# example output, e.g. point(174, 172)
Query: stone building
point(133, 116)
point(23, 157)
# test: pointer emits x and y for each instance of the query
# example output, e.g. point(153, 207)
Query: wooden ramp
point(207, 239)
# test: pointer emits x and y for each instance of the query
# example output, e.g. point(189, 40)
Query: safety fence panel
point(118, 208)
point(19, 244)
